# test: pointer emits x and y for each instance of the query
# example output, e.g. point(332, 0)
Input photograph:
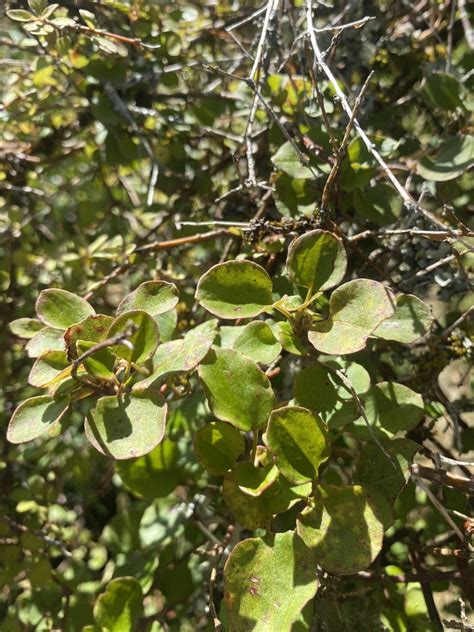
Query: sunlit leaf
point(236, 389)
point(154, 297)
point(34, 417)
point(260, 576)
point(356, 310)
point(61, 309)
point(127, 426)
point(235, 289)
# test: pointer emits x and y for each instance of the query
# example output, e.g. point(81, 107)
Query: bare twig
point(342, 149)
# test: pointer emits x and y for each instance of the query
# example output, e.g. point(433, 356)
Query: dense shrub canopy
point(236, 253)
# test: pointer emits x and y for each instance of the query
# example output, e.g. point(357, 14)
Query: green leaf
point(317, 260)
point(99, 365)
point(47, 339)
point(254, 481)
point(258, 342)
point(267, 583)
point(293, 197)
point(411, 321)
point(442, 91)
point(118, 608)
point(343, 527)
point(393, 407)
point(287, 160)
point(254, 494)
point(91, 329)
point(143, 336)
point(127, 426)
point(19, 15)
point(153, 475)
point(154, 297)
point(181, 356)
point(235, 289)
point(318, 389)
point(49, 368)
point(453, 158)
point(218, 445)
point(34, 417)
point(356, 310)
point(25, 327)
point(375, 471)
point(380, 204)
point(236, 389)
point(61, 309)
point(287, 337)
point(299, 441)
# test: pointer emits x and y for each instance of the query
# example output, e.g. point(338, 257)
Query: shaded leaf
point(375, 472)
point(93, 329)
point(318, 389)
point(50, 367)
point(235, 289)
point(299, 441)
point(181, 356)
point(287, 160)
point(380, 204)
point(317, 260)
point(393, 407)
point(443, 91)
point(153, 475)
point(143, 336)
point(218, 445)
point(34, 417)
point(343, 527)
point(127, 426)
point(411, 321)
point(453, 158)
point(100, 364)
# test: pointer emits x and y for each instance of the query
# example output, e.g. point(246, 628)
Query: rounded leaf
point(258, 342)
point(47, 339)
point(127, 426)
point(299, 441)
point(120, 605)
point(218, 445)
point(34, 417)
point(317, 260)
point(393, 407)
point(25, 327)
point(235, 289)
point(142, 335)
point(343, 527)
point(153, 297)
point(91, 329)
point(356, 309)
point(61, 309)
point(50, 367)
point(411, 321)
point(267, 583)
point(237, 389)
point(153, 475)
point(376, 473)
point(181, 356)
point(453, 158)
point(317, 388)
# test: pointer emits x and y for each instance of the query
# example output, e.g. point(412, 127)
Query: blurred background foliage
point(116, 128)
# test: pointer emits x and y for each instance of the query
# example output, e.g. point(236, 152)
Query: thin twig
point(342, 149)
